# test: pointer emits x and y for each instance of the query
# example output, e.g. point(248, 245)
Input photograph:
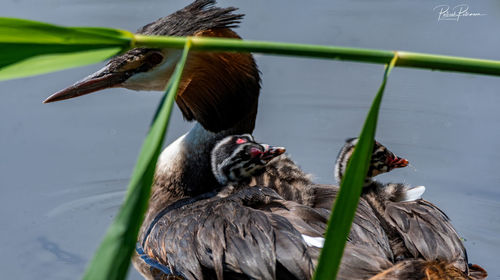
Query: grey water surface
point(64, 167)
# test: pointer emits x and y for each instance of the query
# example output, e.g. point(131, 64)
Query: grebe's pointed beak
point(102, 79)
point(271, 152)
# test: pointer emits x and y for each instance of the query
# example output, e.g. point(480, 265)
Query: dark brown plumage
point(227, 236)
point(199, 16)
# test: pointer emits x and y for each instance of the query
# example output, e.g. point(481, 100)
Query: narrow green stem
point(345, 205)
point(406, 59)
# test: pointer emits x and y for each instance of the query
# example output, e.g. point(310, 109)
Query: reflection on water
point(59, 162)
point(91, 196)
point(61, 254)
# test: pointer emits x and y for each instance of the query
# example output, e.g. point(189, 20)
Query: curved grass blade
point(15, 30)
point(40, 47)
point(347, 200)
point(112, 259)
point(41, 64)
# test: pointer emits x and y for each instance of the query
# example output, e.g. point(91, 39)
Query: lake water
point(64, 166)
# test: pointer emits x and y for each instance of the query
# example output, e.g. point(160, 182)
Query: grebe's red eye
point(241, 141)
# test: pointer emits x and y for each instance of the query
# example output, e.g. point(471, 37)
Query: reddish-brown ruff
point(429, 270)
point(219, 89)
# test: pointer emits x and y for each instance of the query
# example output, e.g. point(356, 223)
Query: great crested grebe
point(417, 229)
point(220, 91)
point(245, 229)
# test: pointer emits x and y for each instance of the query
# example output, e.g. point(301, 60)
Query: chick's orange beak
point(271, 152)
point(396, 162)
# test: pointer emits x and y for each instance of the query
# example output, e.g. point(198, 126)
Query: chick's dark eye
point(155, 58)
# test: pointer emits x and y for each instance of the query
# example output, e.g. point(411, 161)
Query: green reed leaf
point(30, 47)
point(347, 200)
point(41, 64)
point(112, 258)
